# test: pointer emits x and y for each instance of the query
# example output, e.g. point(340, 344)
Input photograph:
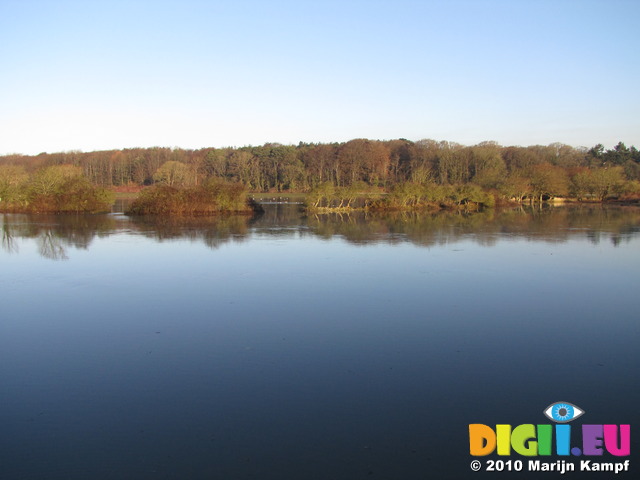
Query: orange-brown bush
point(211, 198)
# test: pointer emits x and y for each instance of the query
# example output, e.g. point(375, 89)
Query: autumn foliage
point(54, 189)
point(335, 175)
point(213, 197)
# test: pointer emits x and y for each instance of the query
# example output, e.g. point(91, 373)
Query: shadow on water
point(55, 233)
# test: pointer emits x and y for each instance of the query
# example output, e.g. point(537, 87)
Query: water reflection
point(550, 225)
point(300, 354)
point(212, 231)
point(55, 233)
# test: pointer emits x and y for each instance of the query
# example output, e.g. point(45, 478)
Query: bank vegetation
point(210, 198)
point(51, 189)
point(358, 174)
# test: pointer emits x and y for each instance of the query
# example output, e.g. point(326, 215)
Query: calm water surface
point(292, 347)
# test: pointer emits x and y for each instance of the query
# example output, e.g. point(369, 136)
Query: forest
point(337, 173)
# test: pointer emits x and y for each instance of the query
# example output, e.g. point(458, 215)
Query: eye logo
point(529, 440)
point(563, 412)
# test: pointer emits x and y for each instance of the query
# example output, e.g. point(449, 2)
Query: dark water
point(290, 347)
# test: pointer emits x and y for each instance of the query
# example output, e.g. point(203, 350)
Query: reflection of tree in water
point(8, 237)
point(595, 222)
point(80, 230)
point(422, 228)
point(280, 215)
point(54, 234)
point(212, 231)
point(50, 246)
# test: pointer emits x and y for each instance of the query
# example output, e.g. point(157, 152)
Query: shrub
point(78, 195)
point(56, 189)
point(210, 198)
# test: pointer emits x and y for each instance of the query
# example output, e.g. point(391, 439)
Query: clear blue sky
point(92, 75)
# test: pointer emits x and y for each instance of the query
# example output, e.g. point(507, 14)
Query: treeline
point(516, 173)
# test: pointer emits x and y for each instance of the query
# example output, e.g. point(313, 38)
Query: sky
point(98, 75)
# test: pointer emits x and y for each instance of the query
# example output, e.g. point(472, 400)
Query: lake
point(288, 346)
